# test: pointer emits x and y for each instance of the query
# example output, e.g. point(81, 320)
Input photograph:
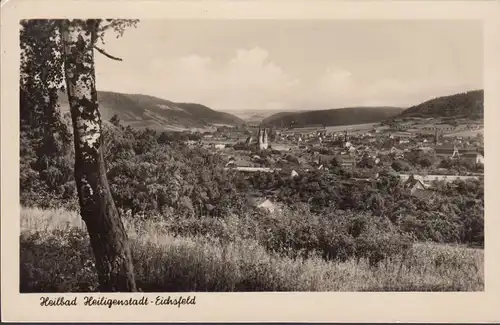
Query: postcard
point(270, 161)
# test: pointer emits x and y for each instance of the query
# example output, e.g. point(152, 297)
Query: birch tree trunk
point(107, 234)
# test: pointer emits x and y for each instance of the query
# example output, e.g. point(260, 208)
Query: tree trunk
point(107, 234)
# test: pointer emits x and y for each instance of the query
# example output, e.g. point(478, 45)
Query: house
point(305, 131)
point(424, 195)
point(402, 135)
point(412, 184)
point(346, 161)
point(417, 188)
point(306, 166)
point(398, 153)
point(425, 149)
point(268, 206)
point(190, 142)
point(447, 151)
point(324, 159)
point(429, 179)
point(239, 163)
point(480, 158)
point(472, 154)
point(263, 203)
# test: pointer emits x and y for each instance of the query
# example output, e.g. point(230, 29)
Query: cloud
point(338, 87)
point(250, 79)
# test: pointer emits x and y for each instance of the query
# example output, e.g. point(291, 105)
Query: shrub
point(58, 259)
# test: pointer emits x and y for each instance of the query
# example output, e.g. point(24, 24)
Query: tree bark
point(107, 234)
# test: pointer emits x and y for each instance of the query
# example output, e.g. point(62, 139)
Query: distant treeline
point(467, 105)
point(332, 117)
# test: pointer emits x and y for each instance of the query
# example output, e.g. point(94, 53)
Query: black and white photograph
point(175, 165)
point(264, 156)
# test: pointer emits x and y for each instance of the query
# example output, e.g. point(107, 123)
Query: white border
point(257, 307)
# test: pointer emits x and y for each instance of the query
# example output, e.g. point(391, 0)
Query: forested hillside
point(156, 113)
point(332, 117)
point(464, 105)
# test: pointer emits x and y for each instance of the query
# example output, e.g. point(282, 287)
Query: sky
point(238, 65)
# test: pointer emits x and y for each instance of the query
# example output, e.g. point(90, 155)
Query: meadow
point(55, 256)
point(465, 133)
point(352, 127)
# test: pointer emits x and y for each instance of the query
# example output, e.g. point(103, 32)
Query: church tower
point(266, 144)
point(262, 140)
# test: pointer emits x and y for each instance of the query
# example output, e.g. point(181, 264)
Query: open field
point(465, 133)
point(428, 179)
point(331, 129)
point(55, 257)
point(283, 147)
point(351, 128)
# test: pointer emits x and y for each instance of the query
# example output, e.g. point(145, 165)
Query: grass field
point(465, 133)
point(351, 128)
point(55, 257)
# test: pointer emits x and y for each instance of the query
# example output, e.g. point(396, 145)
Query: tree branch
point(106, 54)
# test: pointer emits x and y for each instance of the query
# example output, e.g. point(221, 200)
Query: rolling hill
point(147, 111)
point(332, 117)
point(254, 116)
point(464, 105)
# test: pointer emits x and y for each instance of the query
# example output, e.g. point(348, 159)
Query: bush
point(337, 236)
point(45, 268)
point(58, 259)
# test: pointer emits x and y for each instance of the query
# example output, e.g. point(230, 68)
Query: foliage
point(58, 259)
point(453, 215)
point(461, 166)
point(341, 116)
point(400, 165)
point(469, 104)
point(152, 174)
point(45, 140)
point(420, 159)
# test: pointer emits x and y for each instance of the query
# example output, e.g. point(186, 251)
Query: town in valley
point(235, 162)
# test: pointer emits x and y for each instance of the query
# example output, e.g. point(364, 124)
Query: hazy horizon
point(280, 65)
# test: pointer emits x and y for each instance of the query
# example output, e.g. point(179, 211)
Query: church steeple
point(263, 138)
